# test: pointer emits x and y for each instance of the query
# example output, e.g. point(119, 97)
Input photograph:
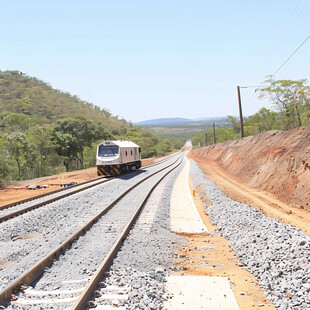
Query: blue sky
point(151, 59)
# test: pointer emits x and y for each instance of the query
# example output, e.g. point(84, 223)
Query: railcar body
point(116, 157)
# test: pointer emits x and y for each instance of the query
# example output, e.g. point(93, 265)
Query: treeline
point(45, 131)
point(291, 103)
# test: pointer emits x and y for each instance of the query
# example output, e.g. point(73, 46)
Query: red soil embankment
point(276, 162)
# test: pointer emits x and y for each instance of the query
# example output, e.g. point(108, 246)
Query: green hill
point(30, 96)
point(44, 130)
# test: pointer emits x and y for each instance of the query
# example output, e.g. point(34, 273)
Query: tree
point(85, 133)
point(289, 97)
point(65, 146)
point(263, 119)
point(4, 166)
point(235, 123)
point(71, 136)
point(14, 121)
point(40, 142)
point(101, 132)
point(17, 146)
point(199, 138)
point(164, 146)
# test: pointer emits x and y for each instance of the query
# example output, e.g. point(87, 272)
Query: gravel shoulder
point(263, 201)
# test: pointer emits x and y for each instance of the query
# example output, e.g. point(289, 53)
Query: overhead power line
point(262, 85)
point(286, 28)
point(280, 36)
point(292, 55)
point(257, 86)
point(284, 31)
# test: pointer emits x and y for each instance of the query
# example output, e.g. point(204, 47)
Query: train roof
point(120, 143)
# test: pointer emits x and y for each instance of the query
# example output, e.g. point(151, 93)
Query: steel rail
point(82, 302)
point(15, 203)
point(41, 204)
point(34, 272)
point(162, 161)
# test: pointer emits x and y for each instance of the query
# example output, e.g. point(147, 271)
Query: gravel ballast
point(54, 223)
point(147, 256)
point(277, 254)
point(86, 254)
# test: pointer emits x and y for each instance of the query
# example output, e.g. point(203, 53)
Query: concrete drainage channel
point(277, 254)
point(97, 240)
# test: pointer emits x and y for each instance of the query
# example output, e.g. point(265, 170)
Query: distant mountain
point(159, 121)
point(180, 120)
point(208, 118)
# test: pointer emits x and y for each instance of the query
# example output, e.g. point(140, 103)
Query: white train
point(116, 157)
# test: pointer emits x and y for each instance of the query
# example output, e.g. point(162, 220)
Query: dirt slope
point(276, 162)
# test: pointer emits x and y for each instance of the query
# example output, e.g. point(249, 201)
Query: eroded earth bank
point(270, 171)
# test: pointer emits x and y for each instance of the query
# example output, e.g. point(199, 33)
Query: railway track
point(86, 297)
point(17, 208)
point(33, 235)
point(94, 226)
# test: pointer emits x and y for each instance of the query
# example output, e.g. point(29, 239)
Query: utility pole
point(214, 133)
point(206, 139)
point(240, 112)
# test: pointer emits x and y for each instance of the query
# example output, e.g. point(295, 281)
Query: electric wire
point(282, 65)
point(291, 55)
point(274, 45)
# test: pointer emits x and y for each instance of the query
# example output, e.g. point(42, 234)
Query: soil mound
point(277, 162)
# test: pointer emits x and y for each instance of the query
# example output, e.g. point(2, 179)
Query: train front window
point(108, 150)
